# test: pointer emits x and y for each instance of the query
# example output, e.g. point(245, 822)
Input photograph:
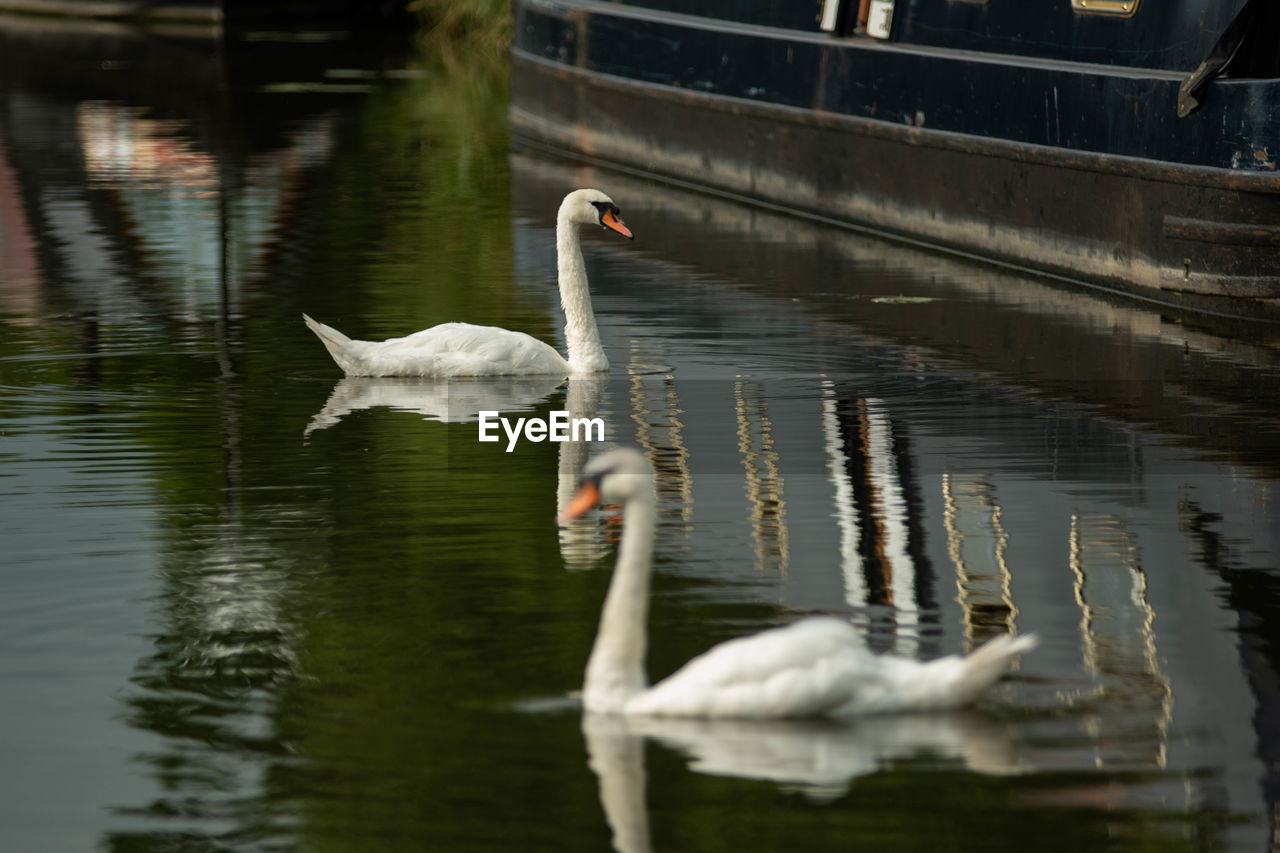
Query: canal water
point(251, 605)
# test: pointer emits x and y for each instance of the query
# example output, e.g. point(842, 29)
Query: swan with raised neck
point(464, 349)
point(814, 667)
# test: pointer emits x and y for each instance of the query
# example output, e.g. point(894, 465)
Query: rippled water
point(251, 605)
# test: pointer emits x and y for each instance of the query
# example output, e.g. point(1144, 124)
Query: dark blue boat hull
point(1073, 169)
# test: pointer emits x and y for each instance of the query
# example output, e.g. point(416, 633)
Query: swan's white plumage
point(446, 350)
point(817, 666)
point(800, 670)
point(463, 349)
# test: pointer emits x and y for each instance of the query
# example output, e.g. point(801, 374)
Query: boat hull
point(1174, 231)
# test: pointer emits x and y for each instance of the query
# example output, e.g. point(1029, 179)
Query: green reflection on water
point(418, 206)
point(328, 656)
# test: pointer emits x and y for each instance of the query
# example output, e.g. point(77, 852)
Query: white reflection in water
point(872, 512)
point(445, 400)
point(460, 400)
point(210, 689)
point(847, 516)
point(238, 601)
point(817, 758)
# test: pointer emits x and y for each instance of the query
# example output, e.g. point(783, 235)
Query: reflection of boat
point(1071, 344)
point(1092, 164)
point(931, 532)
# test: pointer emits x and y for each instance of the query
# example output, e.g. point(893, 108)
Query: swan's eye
point(610, 218)
point(603, 208)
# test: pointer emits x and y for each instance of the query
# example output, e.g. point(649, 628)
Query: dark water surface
point(250, 605)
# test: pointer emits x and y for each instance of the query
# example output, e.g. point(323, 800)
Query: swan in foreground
point(463, 349)
point(815, 667)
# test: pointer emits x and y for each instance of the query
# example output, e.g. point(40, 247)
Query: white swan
point(817, 666)
point(463, 349)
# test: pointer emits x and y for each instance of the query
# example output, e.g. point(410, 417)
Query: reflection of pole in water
point(890, 515)
point(869, 465)
point(581, 545)
point(847, 518)
point(655, 410)
point(1118, 639)
point(764, 485)
point(977, 543)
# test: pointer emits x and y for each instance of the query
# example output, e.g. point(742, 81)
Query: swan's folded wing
point(463, 349)
point(805, 669)
point(897, 684)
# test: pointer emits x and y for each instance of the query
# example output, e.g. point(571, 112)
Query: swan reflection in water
point(458, 400)
point(819, 758)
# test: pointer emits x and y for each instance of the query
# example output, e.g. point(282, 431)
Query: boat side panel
point(1080, 107)
point(1170, 35)
point(1017, 205)
point(793, 14)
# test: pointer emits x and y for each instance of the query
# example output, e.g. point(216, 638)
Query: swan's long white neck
point(615, 670)
point(586, 355)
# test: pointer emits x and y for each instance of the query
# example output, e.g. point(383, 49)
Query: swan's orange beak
point(611, 221)
point(584, 499)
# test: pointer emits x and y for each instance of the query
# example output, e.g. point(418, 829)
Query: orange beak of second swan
point(584, 499)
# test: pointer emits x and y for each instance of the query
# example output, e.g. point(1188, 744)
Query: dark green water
point(247, 606)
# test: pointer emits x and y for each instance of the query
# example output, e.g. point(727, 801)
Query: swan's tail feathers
point(328, 334)
point(342, 348)
point(985, 664)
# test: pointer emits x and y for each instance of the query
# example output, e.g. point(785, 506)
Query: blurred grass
point(419, 223)
point(466, 25)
